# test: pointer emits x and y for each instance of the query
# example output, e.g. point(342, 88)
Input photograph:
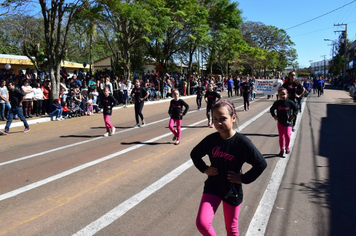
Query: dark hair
point(230, 107)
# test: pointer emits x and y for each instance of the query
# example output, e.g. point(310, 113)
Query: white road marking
point(263, 212)
point(81, 167)
point(78, 143)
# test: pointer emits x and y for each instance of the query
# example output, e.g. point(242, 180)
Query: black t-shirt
point(228, 155)
point(212, 96)
point(176, 108)
point(200, 90)
point(291, 88)
point(138, 93)
point(108, 103)
point(246, 87)
point(15, 96)
point(285, 109)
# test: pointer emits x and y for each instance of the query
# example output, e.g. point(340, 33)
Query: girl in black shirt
point(176, 112)
point(139, 96)
point(210, 98)
point(108, 101)
point(286, 112)
point(227, 151)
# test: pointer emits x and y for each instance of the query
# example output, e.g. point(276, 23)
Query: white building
point(320, 67)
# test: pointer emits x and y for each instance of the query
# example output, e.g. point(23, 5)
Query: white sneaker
point(143, 123)
point(137, 126)
point(113, 131)
point(106, 134)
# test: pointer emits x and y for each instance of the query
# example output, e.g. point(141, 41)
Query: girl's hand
point(275, 118)
point(211, 171)
point(234, 177)
point(108, 107)
point(181, 114)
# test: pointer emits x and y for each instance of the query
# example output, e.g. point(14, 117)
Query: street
point(65, 178)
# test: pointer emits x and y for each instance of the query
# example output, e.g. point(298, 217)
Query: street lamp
point(334, 42)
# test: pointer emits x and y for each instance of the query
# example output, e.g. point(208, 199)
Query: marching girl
point(210, 98)
point(286, 112)
point(108, 102)
point(176, 112)
point(228, 150)
point(139, 95)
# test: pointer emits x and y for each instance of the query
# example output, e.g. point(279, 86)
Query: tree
point(26, 32)
point(125, 24)
point(279, 51)
point(224, 21)
point(58, 17)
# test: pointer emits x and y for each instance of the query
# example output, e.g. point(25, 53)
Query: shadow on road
point(337, 143)
point(264, 135)
point(338, 192)
point(139, 142)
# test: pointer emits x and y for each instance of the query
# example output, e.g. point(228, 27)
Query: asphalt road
point(65, 178)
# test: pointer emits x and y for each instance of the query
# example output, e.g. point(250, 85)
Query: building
point(351, 60)
point(18, 63)
point(320, 67)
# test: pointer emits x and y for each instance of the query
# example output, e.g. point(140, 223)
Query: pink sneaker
point(4, 132)
point(26, 130)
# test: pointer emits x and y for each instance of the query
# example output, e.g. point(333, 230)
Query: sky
point(291, 16)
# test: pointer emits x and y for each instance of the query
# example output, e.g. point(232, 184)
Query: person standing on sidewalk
point(4, 100)
point(16, 99)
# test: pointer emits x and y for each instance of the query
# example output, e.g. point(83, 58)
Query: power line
point(321, 15)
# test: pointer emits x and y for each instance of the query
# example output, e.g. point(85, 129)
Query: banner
point(266, 86)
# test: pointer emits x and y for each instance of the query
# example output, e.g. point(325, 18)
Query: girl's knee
point(204, 227)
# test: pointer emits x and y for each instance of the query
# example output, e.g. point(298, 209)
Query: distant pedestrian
point(320, 86)
point(286, 112)
point(230, 86)
point(4, 100)
point(246, 88)
point(228, 150)
point(200, 90)
point(176, 113)
point(16, 99)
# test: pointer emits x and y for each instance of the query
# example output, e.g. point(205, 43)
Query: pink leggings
point(284, 135)
point(208, 206)
point(171, 127)
point(108, 125)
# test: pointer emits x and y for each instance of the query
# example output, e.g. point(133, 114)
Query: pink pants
point(108, 125)
point(178, 125)
point(208, 206)
point(284, 135)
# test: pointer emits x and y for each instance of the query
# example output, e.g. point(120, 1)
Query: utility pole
point(311, 70)
point(324, 66)
point(345, 41)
